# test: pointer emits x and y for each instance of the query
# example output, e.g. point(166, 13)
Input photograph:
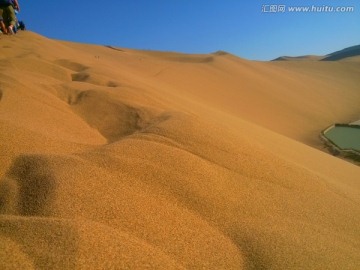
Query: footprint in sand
point(82, 74)
point(74, 66)
point(95, 79)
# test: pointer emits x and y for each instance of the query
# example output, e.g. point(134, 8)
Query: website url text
point(313, 9)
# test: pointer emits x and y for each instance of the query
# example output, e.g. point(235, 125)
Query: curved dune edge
point(116, 158)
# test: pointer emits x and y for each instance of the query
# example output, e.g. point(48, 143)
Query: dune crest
point(118, 158)
point(347, 54)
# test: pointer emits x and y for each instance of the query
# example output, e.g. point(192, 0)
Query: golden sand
point(120, 159)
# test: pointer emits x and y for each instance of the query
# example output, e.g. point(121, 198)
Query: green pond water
point(345, 137)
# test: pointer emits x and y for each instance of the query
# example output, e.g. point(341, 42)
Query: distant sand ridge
point(114, 158)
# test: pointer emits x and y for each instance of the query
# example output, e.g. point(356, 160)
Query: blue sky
point(245, 28)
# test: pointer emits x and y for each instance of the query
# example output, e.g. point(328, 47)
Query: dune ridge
point(348, 54)
point(115, 158)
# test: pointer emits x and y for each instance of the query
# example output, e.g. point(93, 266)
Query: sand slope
point(347, 54)
point(119, 159)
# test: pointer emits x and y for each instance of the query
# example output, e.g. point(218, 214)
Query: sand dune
point(348, 54)
point(344, 54)
point(114, 158)
point(299, 58)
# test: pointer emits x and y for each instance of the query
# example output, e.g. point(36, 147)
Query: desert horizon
point(116, 158)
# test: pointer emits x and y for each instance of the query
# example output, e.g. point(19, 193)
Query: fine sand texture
point(113, 158)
